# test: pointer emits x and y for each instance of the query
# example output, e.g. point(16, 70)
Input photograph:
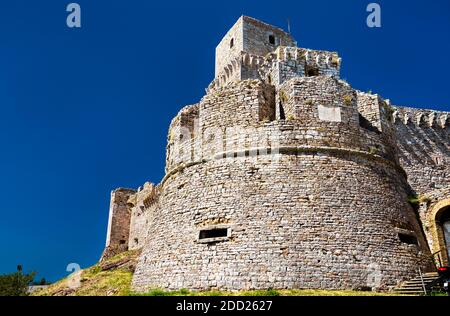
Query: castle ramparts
point(284, 176)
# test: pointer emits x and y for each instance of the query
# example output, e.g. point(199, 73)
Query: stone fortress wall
point(118, 222)
point(305, 177)
point(424, 150)
point(423, 138)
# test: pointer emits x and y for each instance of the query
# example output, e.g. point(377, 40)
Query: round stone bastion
point(291, 191)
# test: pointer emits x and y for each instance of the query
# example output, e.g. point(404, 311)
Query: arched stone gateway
point(439, 219)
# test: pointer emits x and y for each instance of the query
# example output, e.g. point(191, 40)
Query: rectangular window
point(311, 71)
point(272, 39)
point(214, 234)
point(408, 239)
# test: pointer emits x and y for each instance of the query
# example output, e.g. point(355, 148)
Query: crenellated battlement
point(232, 72)
point(316, 57)
point(421, 117)
point(142, 206)
point(278, 66)
point(318, 112)
point(423, 141)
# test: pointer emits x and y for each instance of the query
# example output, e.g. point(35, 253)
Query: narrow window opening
point(271, 39)
point(282, 114)
point(122, 242)
point(213, 233)
point(232, 43)
point(407, 239)
point(311, 71)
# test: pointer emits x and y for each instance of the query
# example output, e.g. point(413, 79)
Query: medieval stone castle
point(284, 176)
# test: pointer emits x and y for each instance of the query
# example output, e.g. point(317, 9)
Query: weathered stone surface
point(118, 223)
point(307, 178)
point(128, 262)
point(424, 148)
point(251, 36)
point(308, 221)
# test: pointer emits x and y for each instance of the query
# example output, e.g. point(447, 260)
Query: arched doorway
point(440, 228)
point(445, 222)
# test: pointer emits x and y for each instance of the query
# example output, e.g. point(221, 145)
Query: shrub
point(348, 99)
point(373, 150)
point(16, 284)
point(283, 96)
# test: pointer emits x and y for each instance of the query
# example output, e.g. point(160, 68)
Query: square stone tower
point(251, 36)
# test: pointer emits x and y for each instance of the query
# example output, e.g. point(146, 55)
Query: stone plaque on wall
point(329, 113)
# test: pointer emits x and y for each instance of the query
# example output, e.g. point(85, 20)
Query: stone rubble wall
point(243, 104)
point(294, 62)
point(308, 220)
point(224, 53)
point(240, 116)
point(303, 134)
point(118, 223)
point(264, 179)
point(376, 115)
point(182, 130)
point(303, 214)
point(251, 36)
point(275, 68)
point(423, 138)
point(256, 34)
point(143, 205)
point(310, 177)
point(428, 202)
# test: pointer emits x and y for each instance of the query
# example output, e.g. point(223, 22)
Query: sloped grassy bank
point(113, 278)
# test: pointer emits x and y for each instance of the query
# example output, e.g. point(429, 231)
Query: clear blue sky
point(84, 111)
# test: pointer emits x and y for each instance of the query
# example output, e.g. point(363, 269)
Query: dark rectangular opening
point(213, 233)
point(407, 239)
point(272, 39)
point(311, 71)
point(282, 114)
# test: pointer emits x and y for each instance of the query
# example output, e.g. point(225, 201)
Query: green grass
point(95, 281)
point(439, 294)
point(417, 199)
point(270, 292)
